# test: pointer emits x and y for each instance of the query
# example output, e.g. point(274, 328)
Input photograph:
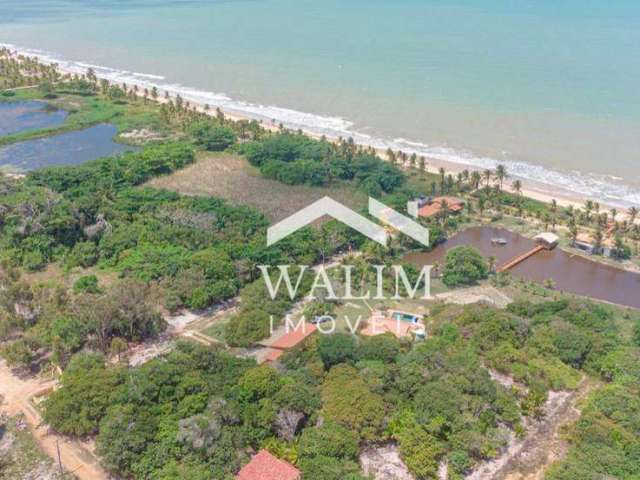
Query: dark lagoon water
point(571, 273)
point(18, 117)
point(71, 148)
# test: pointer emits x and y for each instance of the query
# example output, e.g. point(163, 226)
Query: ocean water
point(547, 87)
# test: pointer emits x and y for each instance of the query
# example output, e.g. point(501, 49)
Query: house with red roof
point(289, 340)
point(265, 466)
point(430, 207)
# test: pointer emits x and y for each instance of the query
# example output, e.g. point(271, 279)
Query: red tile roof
point(455, 205)
point(294, 337)
point(265, 466)
point(273, 355)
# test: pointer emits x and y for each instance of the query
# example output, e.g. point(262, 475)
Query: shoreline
point(533, 189)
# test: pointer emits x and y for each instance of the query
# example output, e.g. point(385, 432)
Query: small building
point(547, 239)
point(431, 207)
point(289, 340)
point(265, 466)
point(583, 242)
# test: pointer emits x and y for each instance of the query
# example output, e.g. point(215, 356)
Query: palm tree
point(573, 230)
point(633, 213)
point(481, 204)
point(444, 211)
point(422, 163)
point(442, 173)
point(492, 263)
point(487, 177)
point(597, 238)
point(501, 174)
point(614, 214)
point(391, 156)
point(475, 179)
point(517, 186)
point(588, 207)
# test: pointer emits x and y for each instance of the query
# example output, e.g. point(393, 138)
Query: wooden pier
point(520, 258)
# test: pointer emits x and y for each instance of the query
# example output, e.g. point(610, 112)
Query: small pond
point(71, 148)
point(571, 273)
point(16, 117)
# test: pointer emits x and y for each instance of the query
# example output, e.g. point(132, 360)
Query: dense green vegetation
point(297, 159)
point(198, 410)
point(464, 266)
point(199, 413)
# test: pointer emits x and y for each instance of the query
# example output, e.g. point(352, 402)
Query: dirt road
point(17, 393)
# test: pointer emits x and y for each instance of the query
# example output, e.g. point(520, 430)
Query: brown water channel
point(571, 273)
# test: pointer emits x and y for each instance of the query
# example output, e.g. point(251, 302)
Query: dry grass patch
point(231, 177)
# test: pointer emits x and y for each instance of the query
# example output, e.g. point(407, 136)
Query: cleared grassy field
point(232, 178)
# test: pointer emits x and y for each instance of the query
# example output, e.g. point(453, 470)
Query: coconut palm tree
point(487, 177)
point(442, 173)
point(517, 186)
point(422, 163)
point(413, 161)
point(573, 230)
point(444, 211)
point(597, 238)
point(492, 263)
point(391, 156)
point(475, 180)
point(481, 204)
point(633, 213)
point(588, 207)
point(501, 174)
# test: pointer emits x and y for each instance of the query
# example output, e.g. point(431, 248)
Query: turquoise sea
point(548, 87)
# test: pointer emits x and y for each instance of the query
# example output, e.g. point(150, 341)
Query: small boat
point(499, 241)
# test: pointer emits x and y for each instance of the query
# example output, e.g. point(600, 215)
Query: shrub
point(86, 284)
point(212, 137)
point(464, 266)
point(337, 348)
point(384, 347)
point(83, 254)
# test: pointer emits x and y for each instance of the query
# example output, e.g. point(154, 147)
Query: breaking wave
point(603, 188)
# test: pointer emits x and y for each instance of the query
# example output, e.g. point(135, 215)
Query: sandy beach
point(537, 191)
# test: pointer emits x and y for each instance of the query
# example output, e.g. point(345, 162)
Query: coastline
point(533, 189)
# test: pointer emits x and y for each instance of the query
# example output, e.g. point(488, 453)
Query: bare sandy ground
point(76, 457)
point(527, 458)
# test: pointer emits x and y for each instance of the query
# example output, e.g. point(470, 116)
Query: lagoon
point(71, 148)
point(571, 273)
point(17, 117)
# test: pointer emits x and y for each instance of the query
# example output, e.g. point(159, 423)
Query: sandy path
point(17, 394)
point(542, 445)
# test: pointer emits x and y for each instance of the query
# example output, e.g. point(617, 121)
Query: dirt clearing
point(231, 177)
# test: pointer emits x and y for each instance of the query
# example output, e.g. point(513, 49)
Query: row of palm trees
point(21, 71)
